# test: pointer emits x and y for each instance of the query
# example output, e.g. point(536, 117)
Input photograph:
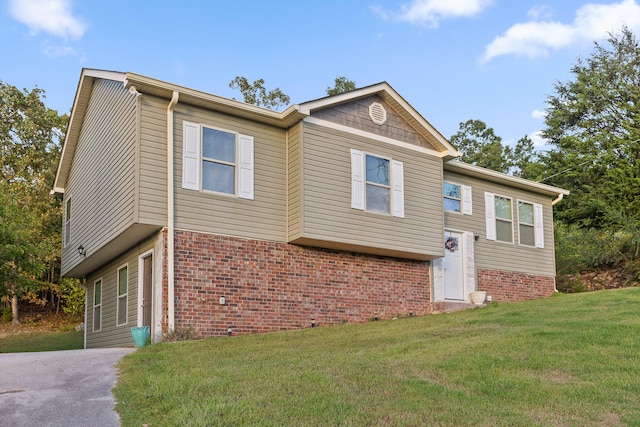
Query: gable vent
point(377, 113)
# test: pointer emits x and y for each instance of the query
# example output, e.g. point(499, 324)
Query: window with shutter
point(377, 184)
point(67, 222)
point(530, 224)
point(457, 198)
point(123, 292)
point(217, 160)
point(97, 305)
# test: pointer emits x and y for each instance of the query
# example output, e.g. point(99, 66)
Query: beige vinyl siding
point(327, 212)
point(112, 335)
point(101, 183)
point(152, 166)
point(261, 218)
point(494, 255)
point(295, 180)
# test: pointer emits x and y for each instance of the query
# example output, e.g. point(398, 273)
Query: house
point(183, 209)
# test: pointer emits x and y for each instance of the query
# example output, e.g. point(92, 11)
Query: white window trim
point(192, 161)
point(538, 224)
point(466, 198)
point(99, 306)
point(359, 183)
point(491, 218)
point(66, 227)
point(123, 296)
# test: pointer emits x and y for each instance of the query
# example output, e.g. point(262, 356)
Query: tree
point(341, 85)
point(480, 146)
point(30, 135)
point(593, 124)
point(524, 160)
point(256, 94)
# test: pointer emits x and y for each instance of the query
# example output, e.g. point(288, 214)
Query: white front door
point(453, 266)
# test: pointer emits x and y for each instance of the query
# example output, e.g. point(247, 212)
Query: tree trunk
point(14, 310)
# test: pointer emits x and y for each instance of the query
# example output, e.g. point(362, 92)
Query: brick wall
point(510, 286)
point(271, 286)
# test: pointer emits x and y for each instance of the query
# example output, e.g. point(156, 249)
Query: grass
point(42, 341)
point(570, 360)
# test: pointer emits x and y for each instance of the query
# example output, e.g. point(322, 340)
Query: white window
point(123, 285)
point(217, 160)
point(457, 198)
point(97, 305)
point(530, 224)
point(377, 184)
point(499, 218)
point(67, 222)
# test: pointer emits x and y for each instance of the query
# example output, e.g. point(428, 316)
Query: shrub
point(74, 296)
point(173, 335)
point(7, 315)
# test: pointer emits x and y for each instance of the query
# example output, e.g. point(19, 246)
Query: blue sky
point(452, 60)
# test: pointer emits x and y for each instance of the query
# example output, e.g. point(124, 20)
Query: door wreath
point(451, 244)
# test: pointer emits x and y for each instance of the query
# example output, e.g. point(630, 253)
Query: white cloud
point(538, 114)
point(538, 139)
point(431, 12)
point(49, 16)
point(536, 38)
point(58, 51)
point(540, 12)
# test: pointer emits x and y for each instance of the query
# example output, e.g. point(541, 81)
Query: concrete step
point(451, 306)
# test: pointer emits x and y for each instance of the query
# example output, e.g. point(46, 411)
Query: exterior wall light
point(82, 251)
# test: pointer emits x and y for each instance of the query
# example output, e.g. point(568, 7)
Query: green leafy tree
point(524, 160)
point(256, 94)
point(593, 125)
point(480, 146)
point(30, 135)
point(341, 85)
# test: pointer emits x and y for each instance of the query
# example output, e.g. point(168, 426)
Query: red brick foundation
point(274, 286)
point(510, 286)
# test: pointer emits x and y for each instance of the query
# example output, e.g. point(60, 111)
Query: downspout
point(560, 197)
point(170, 214)
point(86, 310)
point(553, 203)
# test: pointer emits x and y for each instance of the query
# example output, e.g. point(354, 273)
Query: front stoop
point(451, 306)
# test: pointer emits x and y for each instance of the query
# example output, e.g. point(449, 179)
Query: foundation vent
point(377, 113)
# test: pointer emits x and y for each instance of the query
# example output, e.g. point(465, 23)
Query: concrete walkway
point(59, 388)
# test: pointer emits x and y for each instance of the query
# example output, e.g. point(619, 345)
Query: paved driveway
point(59, 388)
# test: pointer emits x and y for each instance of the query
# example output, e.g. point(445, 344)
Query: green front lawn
point(41, 341)
point(570, 360)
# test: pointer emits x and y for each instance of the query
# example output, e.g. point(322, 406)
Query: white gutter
point(560, 197)
point(170, 214)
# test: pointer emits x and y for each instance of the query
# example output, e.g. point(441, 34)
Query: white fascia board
point(484, 173)
point(104, 74)
point(364, 134)
point(308, 107)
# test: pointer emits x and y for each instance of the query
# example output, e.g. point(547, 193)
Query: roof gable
point(417, 131)
point(80, 103)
